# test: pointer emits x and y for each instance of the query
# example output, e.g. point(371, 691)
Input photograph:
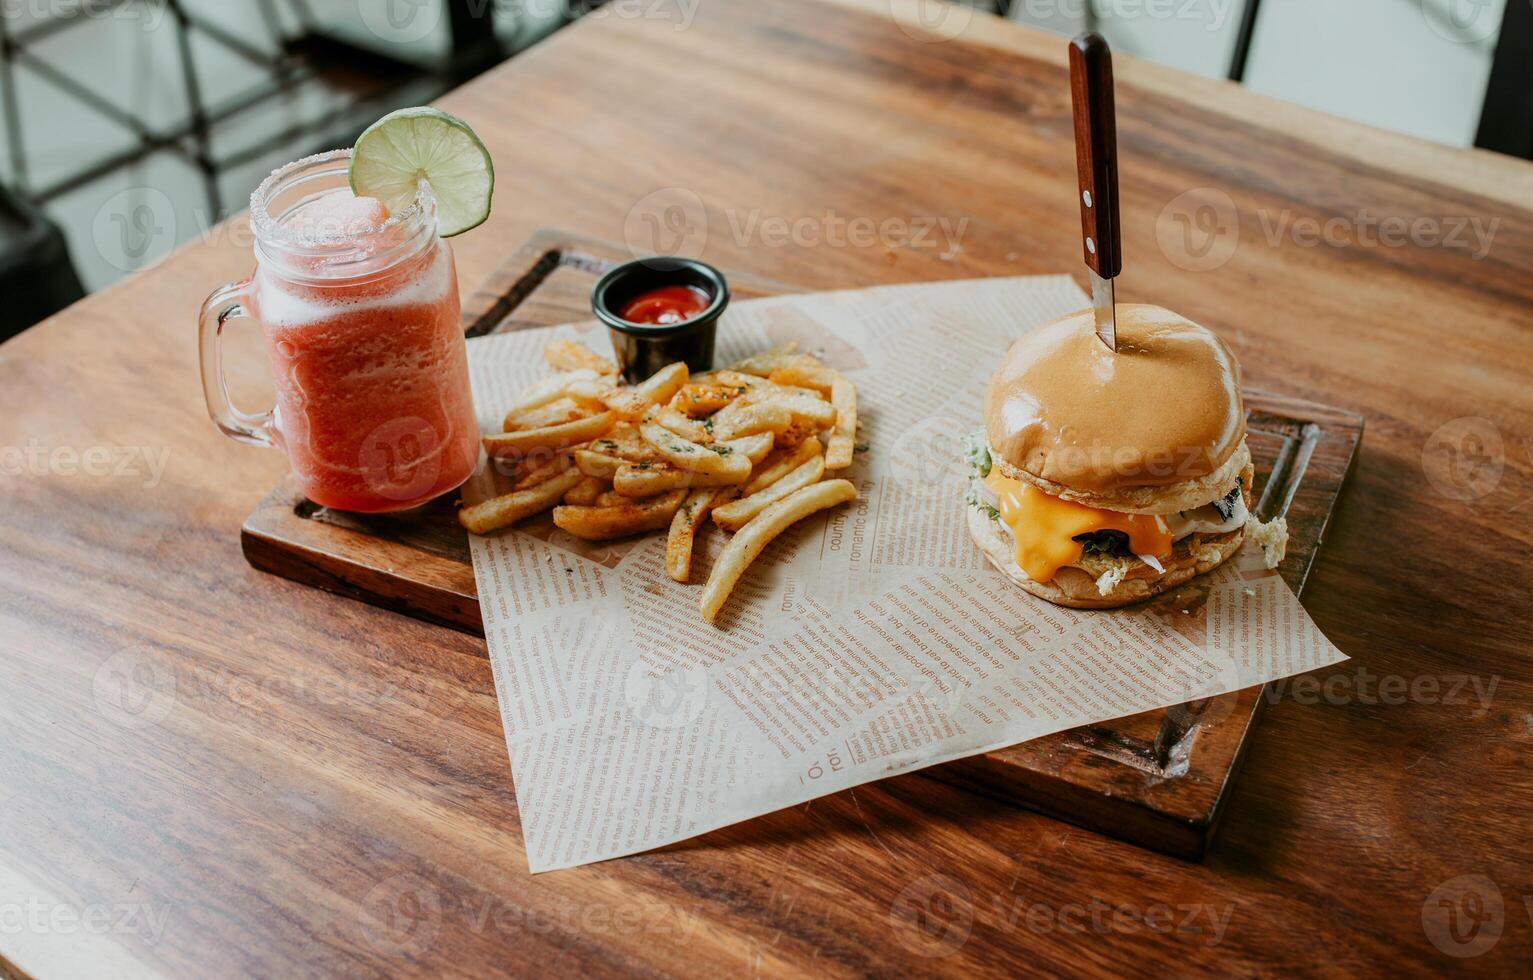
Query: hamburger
point(1106, 478)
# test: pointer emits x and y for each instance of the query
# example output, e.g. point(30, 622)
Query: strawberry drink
point(359, 309)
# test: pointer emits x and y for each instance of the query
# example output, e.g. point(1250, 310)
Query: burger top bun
point(1151, 425)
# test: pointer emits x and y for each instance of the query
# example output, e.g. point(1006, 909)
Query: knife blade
point(1102, 302)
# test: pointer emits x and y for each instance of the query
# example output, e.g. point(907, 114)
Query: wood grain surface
point(291, 783)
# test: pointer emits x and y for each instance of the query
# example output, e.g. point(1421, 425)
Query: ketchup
point(666, 305)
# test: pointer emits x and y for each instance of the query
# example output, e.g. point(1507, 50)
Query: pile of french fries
point(749, 446)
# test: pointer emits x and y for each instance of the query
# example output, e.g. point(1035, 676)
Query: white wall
point(1400, 64)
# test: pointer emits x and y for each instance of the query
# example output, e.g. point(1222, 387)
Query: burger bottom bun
point(1166, 499)
point(1077, 588)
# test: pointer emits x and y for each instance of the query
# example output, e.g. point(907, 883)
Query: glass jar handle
point(227, 303)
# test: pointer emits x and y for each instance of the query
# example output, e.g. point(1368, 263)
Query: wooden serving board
point(1157, 779)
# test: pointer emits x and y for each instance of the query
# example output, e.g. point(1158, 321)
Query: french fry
point(634, 517)
point(698, 400)
point(678, 423)
point(559, 410)
point(629, 405)
point(550, 437)
point(641, 480)
point(517, 466)
point(551, 389)
point(739, 513)
point(778, 465)
point(688, 455)
point(498, 512)
point(598, 465)
point(625, 442)
point(766, 417)
point(569, 355)
point(796, 433)
point(585, 492)
point(546, 471)
point(726, 415)
point(755, 536)
point(689, 517)
point(754, 448)
point(658, 388)
point(729, 379)
point(611, 498)
point(805, 376)
point(647, 480)
point(767, 361)
point(772, 391)
point(807, 409)
point(591, 393)
point(842, 443)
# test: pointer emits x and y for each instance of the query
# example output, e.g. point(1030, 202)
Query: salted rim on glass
point(344, 246)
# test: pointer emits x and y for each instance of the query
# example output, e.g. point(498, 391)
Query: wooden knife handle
point(1096, 152)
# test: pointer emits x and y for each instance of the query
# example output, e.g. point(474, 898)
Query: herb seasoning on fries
point(742, 446)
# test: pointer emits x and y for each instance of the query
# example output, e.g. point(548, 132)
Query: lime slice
point(407, 146)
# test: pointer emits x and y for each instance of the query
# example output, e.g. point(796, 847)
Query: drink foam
point(336, 216)
point(283, 307)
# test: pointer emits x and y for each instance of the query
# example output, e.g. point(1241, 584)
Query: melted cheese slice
point(1045, 527)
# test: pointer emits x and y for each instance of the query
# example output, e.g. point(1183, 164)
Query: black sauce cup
point(644, 348)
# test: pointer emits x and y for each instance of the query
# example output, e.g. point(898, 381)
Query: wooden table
point(321, 764)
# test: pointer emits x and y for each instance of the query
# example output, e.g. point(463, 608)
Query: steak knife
point(1096, 161)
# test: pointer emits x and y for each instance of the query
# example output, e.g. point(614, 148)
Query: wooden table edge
point(1484, 173)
